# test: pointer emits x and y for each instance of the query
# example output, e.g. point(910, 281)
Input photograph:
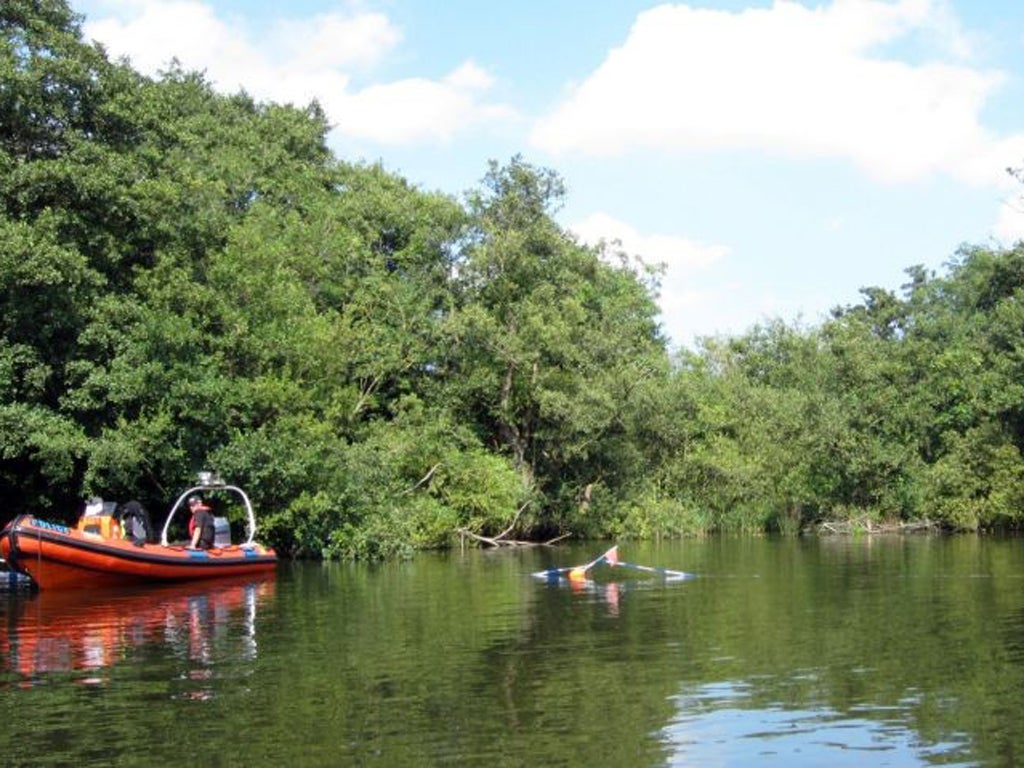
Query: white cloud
point(417, 109)
point(676, 253)
point(790, 79)
point(298, 61)
point(157, 32)
point(684, 304)
point(328, 41)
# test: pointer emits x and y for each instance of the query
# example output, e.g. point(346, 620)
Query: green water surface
point(833, 652)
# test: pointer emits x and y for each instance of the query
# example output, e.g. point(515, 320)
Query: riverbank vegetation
point(190, 281)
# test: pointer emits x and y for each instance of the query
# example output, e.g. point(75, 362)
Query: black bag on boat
point(136, 523)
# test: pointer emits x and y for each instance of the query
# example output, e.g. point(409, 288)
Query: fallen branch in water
point(862, 526)
point(496, 542)
point(501, 541)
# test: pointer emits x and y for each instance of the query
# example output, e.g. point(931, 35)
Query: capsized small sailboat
point(115, 545)
point(576, 574)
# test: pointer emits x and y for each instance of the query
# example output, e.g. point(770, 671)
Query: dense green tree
point(55, 202)
point(191, 280)
point(551, 341)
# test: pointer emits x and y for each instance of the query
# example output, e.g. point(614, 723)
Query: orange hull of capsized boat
point(58, 557)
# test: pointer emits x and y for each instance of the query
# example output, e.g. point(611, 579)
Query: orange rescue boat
point(107, 547)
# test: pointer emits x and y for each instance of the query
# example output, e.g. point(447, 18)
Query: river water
point(831, 652)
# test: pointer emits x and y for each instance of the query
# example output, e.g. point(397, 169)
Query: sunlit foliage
point(193, 281)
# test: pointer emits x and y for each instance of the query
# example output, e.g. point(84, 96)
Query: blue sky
point(776, 157)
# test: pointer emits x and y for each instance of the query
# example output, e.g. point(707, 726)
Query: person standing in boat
point(200, 527)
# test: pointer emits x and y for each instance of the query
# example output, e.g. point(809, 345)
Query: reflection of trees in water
point(65, 632)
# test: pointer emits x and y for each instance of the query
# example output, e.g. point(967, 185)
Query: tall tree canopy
point(190, 280)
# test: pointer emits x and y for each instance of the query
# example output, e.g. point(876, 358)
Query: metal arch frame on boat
point(207, 484)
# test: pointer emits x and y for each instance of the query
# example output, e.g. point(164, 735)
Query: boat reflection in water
point(195, 625)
